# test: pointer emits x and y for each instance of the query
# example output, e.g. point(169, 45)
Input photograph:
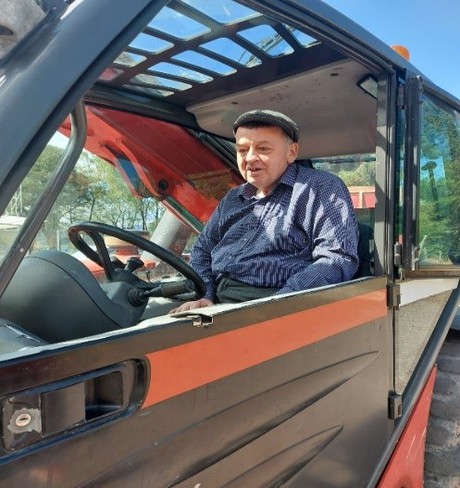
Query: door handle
point(49, 410)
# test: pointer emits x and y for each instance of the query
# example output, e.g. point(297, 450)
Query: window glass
point(302, 38)
point(181, 42)
point(180, 71)
point(357, 171)
point(267, 39)
point(129, 59)
point(439, 183)
point(153, 80)
point(201, 61)
point(149, 43)
point(97, 191)
point(176, 24)
point(228, 13)
point(22, 202)
point(233, 51)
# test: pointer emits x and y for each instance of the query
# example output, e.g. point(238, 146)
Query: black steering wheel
point(193, 284)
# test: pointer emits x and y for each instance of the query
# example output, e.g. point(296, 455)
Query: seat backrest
point(306, 163)
point(365, 250)
point(365, 240)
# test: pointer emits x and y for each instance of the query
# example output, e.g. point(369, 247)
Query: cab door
point(429, 212)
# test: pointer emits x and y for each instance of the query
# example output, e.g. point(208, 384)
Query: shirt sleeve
point(331, 223)
point(201, 258)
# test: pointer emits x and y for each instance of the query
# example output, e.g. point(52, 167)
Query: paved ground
point(442, 460)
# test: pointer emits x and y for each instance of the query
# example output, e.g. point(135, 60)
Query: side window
point(358, 172)
point(436, 232)
point(439, 185)
point(22, 203)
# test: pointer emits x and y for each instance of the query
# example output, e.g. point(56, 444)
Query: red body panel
point(405, 468)
point(168, 160)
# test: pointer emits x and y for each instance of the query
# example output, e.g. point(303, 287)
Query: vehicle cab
point(117, 128)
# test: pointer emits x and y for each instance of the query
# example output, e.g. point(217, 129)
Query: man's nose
point(252, 155)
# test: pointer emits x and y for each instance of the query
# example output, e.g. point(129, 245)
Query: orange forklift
point(116, 123)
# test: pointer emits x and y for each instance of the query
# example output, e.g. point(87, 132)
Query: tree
point(363, 175)
point(95, 190)
point(116, 205)
point(439, 184)
point(73, 197)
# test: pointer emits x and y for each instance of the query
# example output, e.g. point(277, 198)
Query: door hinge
point(393, 296)
point(394, 405)
point(397, 254)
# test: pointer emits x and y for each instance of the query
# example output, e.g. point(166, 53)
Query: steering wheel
point(100, 256)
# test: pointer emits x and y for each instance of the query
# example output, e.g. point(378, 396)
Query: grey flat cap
point(269, 118)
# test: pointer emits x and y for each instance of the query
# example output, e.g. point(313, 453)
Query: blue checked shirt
point(303, 235)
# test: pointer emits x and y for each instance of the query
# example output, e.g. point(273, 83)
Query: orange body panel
point(188, 366)
point(168, 160)
point(405, 468)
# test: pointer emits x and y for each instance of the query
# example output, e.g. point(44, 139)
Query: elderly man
point(288, 228)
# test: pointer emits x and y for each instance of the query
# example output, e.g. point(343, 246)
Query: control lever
point(133, 263)
point(171, 289)
point(138, 297)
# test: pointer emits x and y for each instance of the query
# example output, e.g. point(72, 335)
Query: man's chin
point(254, 179)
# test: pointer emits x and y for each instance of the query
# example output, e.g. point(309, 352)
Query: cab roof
point(202, 64)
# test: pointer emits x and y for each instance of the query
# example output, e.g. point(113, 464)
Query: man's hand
point(202, 302)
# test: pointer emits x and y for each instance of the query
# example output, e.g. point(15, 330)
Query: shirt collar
point(289, 177)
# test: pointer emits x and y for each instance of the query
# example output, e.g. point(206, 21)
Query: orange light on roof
point(402, 51)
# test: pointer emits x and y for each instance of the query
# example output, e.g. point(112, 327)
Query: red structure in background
point(362, 196)
point(160, 159)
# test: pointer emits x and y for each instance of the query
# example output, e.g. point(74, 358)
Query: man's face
point(263, 154)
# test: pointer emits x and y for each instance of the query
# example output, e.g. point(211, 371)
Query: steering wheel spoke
point(103, 254)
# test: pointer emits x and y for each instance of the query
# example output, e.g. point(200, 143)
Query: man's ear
point(293, 152)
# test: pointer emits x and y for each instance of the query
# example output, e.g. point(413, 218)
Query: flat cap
point(269, 118)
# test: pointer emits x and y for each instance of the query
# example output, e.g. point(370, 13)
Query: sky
point(429, 29)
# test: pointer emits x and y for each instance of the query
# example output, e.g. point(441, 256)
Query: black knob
point(133, 263)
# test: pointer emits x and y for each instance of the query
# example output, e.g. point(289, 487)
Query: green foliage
point(439, 210)
point(72, 199)
point(363, 175)
point(113, 203)
point(94, 191)
point(353, 169)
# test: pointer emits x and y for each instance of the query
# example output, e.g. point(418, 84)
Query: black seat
point(306, 163)
point(365, 251)
point(365, 241)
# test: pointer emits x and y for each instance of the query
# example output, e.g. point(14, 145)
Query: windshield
point(98, 191)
